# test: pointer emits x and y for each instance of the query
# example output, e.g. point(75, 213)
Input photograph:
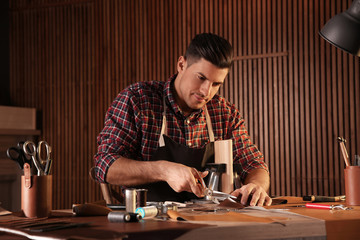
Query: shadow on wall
point(4, 54)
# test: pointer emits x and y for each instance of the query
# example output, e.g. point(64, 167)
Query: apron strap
point(209, 125)
point(164, 126)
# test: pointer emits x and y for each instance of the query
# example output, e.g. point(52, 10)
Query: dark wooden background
point(70, 58)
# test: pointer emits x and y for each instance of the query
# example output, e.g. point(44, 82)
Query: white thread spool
point(130, 200)
point(147, 212)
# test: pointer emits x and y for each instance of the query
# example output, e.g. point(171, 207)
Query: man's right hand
point(182, 178)
point(129, 172)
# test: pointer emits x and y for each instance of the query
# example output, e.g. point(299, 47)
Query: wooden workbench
point(304, 224)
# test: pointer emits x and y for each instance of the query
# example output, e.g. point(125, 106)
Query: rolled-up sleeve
point(119, 137)
point(246, 154)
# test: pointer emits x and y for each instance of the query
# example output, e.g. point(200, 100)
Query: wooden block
point(224, 154)
point(17, 118)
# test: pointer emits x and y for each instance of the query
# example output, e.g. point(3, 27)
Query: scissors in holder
point(30, 149)
point(44, 149)
point(20, 146)
point(17, 155)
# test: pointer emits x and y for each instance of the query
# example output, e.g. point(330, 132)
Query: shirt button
point(189, 144)
point(187, 121)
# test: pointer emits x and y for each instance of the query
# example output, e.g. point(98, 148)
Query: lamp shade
point(343, 30)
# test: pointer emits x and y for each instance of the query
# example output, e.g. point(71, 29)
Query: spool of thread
point(117, 216)
point(147, 212)
point(135, 217)
point(130, 200)
point(141, 197)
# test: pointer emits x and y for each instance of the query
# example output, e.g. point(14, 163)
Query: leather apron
point(174, 152)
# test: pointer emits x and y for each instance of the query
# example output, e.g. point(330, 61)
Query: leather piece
point(230, 204)
point(227, 217)
point(90, 209)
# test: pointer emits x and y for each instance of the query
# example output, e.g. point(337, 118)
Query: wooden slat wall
point(70, 58)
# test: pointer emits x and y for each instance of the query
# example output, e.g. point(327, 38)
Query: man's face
point(197, 84)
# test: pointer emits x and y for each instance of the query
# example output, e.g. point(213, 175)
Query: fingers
point(268, 201)
point(199, 177)
point(204, 174)
point(252, 195)
point(199, 187)
point(182, 178)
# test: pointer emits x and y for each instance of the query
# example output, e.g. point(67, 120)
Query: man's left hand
point(258, 195)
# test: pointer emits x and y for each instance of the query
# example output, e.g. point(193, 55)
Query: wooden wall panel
point(70, 58)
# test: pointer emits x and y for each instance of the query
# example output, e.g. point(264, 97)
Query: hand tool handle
point(343, 151)
point(323, 198)
point(318, 206)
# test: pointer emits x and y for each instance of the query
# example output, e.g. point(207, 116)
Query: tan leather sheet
point(227, 217)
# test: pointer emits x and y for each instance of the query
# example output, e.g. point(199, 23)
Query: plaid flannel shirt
point(134, 119)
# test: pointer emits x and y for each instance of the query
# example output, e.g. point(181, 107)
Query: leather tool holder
point(352, 185)
point(36, 195)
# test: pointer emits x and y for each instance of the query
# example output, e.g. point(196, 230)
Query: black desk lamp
point(343, 30)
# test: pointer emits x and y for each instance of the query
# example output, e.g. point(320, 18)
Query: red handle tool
point(318, 206)
point(326, 206)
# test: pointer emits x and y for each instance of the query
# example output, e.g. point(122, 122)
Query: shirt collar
point(170, 97)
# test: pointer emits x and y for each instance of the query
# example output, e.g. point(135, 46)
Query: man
point(157, 133)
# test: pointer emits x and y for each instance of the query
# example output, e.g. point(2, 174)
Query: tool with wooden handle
point(343, 150)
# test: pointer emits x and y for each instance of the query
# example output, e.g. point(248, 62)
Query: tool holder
point(36, 195)
point(352, 185)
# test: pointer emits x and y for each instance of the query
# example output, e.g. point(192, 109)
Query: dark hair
point(212, 48)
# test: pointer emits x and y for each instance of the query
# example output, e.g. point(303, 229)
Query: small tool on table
point(327, 206)
point(315, 198)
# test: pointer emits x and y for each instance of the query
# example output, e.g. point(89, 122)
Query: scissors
point(44, 149)
point(17, 154)
point(30, 149)
point(213, 195)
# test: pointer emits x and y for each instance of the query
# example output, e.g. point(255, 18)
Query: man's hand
point(130, 172)
point(257, 194)
point(183, 178)
point(256, 185)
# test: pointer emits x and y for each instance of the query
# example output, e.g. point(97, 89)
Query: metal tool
point(43, 146)
point(342, 142)
point(215, 172)
point(44, 149)
point(30, 149)
point(217, 195)
point(17, 154)
point(327, 207)
point(212, 194)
